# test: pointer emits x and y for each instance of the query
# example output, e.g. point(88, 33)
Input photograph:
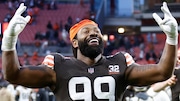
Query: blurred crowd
point(57, 34)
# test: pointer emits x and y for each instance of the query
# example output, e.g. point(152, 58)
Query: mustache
point(93, 37)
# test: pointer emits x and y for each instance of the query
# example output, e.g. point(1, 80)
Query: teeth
point(93, 40)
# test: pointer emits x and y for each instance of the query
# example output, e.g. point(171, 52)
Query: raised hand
point(15, 27)
point(168, 25)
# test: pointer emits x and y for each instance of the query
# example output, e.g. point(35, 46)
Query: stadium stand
point(63, 11)
point(61, 14)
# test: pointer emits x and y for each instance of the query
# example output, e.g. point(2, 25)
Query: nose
point(93, 33)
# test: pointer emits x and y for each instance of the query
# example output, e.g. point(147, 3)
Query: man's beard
point(91, 51)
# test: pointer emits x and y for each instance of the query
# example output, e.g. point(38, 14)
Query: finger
point(165, 9)
point(171, 82)
point(21, 9)
point(22, 20)
point(157, 18)
point(164, 21)
point(174, 76)
point(27, 18)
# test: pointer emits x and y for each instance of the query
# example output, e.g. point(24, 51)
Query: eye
point(97, 31)
point(86, 31)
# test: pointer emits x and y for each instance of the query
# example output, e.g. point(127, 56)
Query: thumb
point(157, 18)
point(27, 18)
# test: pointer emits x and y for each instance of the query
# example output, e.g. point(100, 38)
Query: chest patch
point(114, 69)
point(91, 70)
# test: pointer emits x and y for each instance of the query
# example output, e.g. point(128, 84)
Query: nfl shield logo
point(90, 70)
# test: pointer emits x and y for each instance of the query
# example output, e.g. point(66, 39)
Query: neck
point(89, 61)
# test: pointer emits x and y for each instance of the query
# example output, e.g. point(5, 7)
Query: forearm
point(159, 86)
point(10, 65)
point(169, 26)
point(10, 62)
point(156, 88)
point(167, 61)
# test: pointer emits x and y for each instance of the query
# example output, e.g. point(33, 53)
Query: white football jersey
point(24, 93)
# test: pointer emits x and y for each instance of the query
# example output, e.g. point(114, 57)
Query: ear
point(74, 43)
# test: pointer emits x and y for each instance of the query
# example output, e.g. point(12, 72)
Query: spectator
point(61, 26)
point(70, 20)
point(88, 72)
point(35, 58)
point(176, 88)
point(52, 5)
point(33, 13)
point(127, 43)
point(161, 91)
point(42, 95)
point(50, 94)
point(11, 89)
point(6, 95)
point(31, 3)
point(40, 4)
point(26, 59)
point(149, 38)
point(24, 93)
point(151, 56)
point(154, 38)
point(156, 92)
point(49, 25)
point(39, 36)
point(10, 5)
point(67, 26)
point(56, 26)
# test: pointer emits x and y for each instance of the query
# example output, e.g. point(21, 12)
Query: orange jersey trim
point(49, 61)
point(129, 59)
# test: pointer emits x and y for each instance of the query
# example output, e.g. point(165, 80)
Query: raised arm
point(30, 76)
point(151, 73)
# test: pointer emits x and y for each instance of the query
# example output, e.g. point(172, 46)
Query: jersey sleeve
point(49, 61)
point(129, 59)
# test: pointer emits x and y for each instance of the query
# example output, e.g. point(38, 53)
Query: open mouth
point(93, 41)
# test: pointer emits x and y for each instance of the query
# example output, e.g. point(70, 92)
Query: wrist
point(172, 40)
point(9, 43)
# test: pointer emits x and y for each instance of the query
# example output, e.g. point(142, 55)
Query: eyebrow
point(90, 28)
